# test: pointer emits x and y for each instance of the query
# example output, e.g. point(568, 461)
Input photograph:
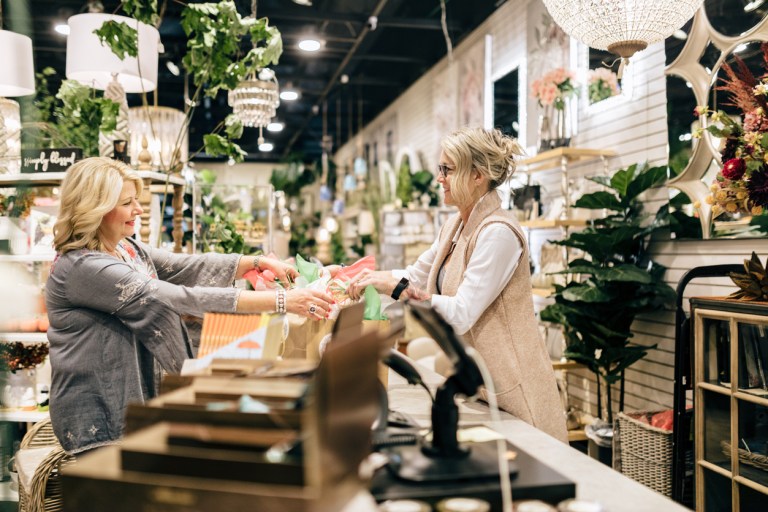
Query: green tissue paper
point(372, 305)
point(307, 269)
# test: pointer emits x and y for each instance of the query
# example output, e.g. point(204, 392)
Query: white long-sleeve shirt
point(494, 260)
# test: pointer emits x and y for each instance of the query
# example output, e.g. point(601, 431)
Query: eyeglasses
point(443, 170)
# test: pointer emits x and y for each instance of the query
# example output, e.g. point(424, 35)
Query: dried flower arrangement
point(18, 356)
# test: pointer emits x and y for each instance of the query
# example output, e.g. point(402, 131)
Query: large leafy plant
point(72, 117)
point(618, 279)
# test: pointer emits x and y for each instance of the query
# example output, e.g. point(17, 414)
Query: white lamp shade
point(161, 126)
point(10, 137)
point(92, 64)
point(17, 68)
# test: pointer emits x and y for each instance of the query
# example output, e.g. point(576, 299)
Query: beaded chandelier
point(622, 27)
point(255, 100)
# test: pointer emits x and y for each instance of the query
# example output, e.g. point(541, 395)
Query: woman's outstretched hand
point(283, 271)
point(312, 304)
point(382, 280)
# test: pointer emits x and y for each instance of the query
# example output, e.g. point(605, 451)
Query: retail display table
point(594, 480)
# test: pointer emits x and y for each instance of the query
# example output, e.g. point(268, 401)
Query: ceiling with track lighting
point(366, 52)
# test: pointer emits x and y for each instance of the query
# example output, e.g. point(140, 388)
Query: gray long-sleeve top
point(111, 324)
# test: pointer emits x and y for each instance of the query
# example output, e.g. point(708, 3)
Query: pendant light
point(255, 100)
point(622, 27)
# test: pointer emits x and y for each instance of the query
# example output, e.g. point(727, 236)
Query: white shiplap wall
point(636, 129)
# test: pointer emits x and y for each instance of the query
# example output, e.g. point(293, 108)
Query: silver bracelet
point(280, 301)
point(256, 261)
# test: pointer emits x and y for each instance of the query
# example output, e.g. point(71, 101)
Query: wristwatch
point(400, 288)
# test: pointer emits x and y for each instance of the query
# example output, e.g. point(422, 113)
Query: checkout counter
point(594, 480)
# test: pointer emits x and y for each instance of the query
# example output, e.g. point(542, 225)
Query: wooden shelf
point(26, 258)
point(542, 292)
point(22, 416)
point(548, 160)
point(557, 223)
point(567, 365)
point(24, 337)
point(716, 388)
point(55, 178)
point(577, 435)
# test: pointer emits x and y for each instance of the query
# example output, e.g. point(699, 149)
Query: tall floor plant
point(617, 281)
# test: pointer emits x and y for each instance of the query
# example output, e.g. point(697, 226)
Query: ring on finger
point(312, 309)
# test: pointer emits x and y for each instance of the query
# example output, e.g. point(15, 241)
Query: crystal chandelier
point(622, 27)
point(255, 100)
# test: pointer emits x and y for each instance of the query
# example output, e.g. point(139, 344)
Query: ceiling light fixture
point(266, 147)
point(255, 100)
point(275, 127)
point(173, 68)
point(310, 45)
point(62, 28)
point(289, 95)
point(622, 27)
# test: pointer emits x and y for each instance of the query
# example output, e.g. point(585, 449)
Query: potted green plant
point(618, 280)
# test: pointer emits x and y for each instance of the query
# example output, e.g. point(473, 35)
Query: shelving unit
point(406, 233)
point(24, 337)
point(564, 158)
point(22, 416)
point(731, 415)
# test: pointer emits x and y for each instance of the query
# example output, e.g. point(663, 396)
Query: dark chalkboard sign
point(49, 159)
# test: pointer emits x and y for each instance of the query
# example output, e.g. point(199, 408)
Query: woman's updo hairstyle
point(490, 152)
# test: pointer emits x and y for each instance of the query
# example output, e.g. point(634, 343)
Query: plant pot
point(19, 389)
point(600, 441)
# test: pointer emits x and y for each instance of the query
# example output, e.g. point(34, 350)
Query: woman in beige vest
point(477, 277)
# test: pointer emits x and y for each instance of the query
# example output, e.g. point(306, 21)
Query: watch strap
point(400, 287)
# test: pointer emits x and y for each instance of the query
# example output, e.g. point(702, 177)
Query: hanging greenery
point(216, 34)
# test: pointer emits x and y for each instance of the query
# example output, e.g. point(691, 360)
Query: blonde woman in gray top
point(476, 276)
point(116, 304)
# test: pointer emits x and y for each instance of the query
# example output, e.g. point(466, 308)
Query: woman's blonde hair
point(90, 190)
point(490, 152)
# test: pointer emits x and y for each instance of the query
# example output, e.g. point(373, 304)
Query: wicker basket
point(45, 492)
point(644, 453)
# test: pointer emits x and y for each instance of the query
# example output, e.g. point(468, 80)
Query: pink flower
point(733, 169)
point(549, 92)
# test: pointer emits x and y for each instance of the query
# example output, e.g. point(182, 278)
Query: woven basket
point(44, 494)
point(645, 453)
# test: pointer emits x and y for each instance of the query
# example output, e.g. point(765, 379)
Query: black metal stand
point(444, 459)
point(683, 435)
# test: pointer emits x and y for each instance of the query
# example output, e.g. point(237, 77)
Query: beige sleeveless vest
point(506, 335)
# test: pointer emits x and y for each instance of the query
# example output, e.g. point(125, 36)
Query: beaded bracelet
point(280, 301)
